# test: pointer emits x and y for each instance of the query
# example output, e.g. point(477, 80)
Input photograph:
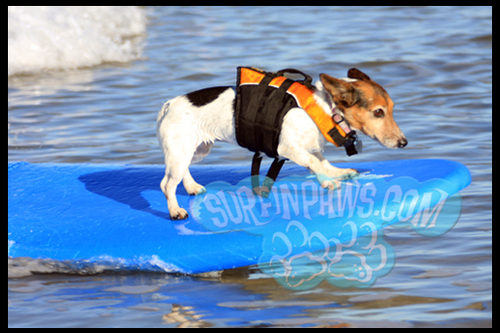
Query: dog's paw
point(349, 174)
point(178, 214)
point(262, 191)
point(333, 179)
point(195, 189)
point(331, 184)
point(342, 174)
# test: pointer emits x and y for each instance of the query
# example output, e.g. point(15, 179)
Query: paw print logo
point(300, 267)
point(361, 261)
point(300, 260)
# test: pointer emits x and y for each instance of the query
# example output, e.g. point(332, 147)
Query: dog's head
point(366, 106)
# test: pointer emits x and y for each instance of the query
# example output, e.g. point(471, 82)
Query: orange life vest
point(262, 101)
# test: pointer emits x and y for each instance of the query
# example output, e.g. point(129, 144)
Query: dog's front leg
point(328, 176)
point(334, 172)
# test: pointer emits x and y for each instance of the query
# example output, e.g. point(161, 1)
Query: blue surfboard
point(91, 213)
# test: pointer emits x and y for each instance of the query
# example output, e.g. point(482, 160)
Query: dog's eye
point(379, 113)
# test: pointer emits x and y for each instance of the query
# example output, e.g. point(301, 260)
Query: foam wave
point(23, 266)
point(61, 38)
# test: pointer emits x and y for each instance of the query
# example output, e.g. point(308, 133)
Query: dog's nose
point(402, 143)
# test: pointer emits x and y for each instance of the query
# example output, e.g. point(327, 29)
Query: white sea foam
point(59, 38)
point(24, 266)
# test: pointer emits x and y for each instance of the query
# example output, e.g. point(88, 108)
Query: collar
point(352, 145)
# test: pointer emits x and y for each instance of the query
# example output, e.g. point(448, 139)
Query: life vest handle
point(307, 79)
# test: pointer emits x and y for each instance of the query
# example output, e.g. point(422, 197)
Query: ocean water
point(85, 86)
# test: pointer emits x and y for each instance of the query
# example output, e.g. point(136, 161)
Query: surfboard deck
point(118, 214)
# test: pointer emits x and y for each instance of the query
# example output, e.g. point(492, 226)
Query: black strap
point(274, 171)
point(249, 115)
point(257, 158)
point(271, 176)
point(269, 119)
point(336, 136)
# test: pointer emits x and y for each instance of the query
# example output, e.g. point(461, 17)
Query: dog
point(188, 126)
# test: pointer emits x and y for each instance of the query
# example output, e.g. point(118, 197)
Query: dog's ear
point(355, 73)
point(342, 92)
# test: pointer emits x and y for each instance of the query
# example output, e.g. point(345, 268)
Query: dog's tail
point(163, 111)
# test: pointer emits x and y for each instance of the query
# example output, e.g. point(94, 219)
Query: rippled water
point(435, 62)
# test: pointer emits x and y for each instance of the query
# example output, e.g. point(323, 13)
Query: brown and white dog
point(188, 126)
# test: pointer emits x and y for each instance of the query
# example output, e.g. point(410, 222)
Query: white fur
point(186, 134)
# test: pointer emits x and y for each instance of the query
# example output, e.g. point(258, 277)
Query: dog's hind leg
point(176, 169)
point(191, 186)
